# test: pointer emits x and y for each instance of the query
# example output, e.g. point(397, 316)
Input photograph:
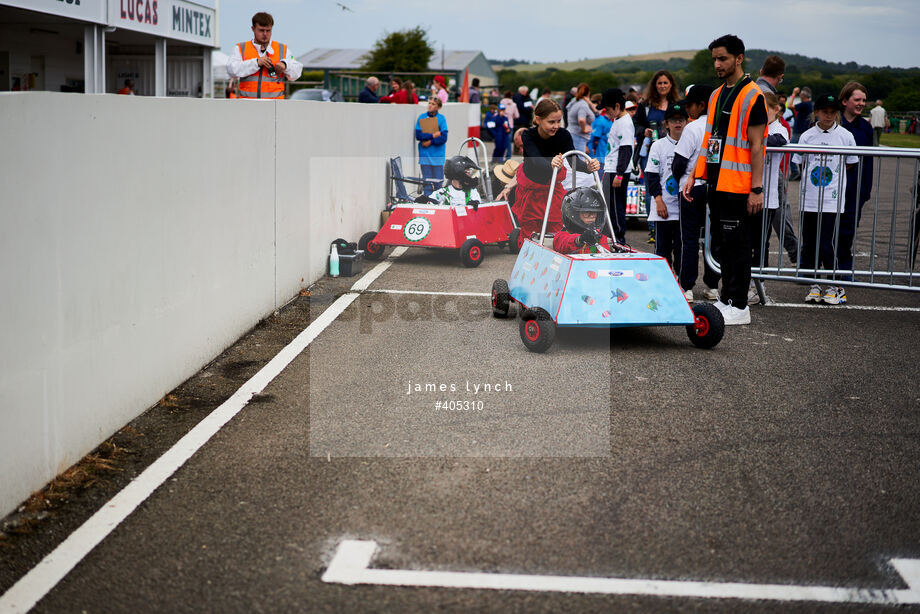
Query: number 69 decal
point(416, 229)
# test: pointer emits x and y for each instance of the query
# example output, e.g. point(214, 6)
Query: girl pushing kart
point(543, 144)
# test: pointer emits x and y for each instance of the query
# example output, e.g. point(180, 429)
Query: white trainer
point(688, 294)
point(720, 305)
point(815, 295)
point(734, 316)
point(835, 295)
point(711, 294)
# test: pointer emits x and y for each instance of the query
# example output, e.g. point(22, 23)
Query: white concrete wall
point(139, 237)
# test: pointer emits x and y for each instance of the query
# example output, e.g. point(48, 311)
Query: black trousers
point(692, 220)
point(617, 205)
point(733, 228)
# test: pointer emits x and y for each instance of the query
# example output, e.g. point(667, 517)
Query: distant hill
point(597, 63)
point(677, 60)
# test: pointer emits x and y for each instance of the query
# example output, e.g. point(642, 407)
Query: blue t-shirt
point(803, 112)
point(600, 130)
point(434, 154)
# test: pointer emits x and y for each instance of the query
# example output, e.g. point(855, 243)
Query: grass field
point(901, 140)
point(595, 62)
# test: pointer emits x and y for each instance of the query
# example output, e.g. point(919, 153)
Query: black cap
point(699, 94)
point(827, 101)
point(611, 97)
point(676, 109)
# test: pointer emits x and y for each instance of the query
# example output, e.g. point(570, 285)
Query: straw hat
point(506, 171)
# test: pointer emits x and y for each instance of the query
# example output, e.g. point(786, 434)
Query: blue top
point(862, 133)
point(434, 154)
point(366, 95)
point(803, 112)
point(600, 129)
point(497, 129)
point(656, 115)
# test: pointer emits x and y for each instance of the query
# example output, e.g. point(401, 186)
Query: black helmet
point(583, 200)
point(463, 170)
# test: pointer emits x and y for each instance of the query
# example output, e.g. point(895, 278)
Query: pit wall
point(141, 236)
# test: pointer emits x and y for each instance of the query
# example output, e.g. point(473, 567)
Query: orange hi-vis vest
point(261, 84)
point(735, 170)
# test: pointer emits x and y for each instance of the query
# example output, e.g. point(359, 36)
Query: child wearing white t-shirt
point(823, 188)
point(462, 176)
point(663, 187)
point(618, 163)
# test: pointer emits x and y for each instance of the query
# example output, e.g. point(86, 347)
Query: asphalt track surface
point(786, 455)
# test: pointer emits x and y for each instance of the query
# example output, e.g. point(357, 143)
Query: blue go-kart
point(610, 289)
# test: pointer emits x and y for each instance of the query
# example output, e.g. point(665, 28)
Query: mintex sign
point(173, 19)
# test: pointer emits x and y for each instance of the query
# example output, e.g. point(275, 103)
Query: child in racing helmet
point(462, 176)
point(583, 216)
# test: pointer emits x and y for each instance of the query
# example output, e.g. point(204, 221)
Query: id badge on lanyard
point(714, 150)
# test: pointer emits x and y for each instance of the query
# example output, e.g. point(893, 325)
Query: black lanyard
point(717, 117)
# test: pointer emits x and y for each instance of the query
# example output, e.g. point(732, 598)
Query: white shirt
point(237, 68)
point(877, 117)
point(771, 166)
point(449, 195)
point(823, 179)
point(660, 157)
point(622, 133)
point(689, 145)
point(584, 179)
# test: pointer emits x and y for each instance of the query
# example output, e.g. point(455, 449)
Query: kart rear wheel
point(513, 238)
point(471, 253)
point(708, 326)
point(372, 250)
point(501, 298)
point(537, 330)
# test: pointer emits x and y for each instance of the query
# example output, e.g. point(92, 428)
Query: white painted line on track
point(432, 292)
point(23, 595)
point(351, 560)
point(844, 307)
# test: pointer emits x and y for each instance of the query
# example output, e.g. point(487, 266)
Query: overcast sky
point(874, 32)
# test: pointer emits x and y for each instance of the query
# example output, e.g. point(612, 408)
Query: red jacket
point(400, 97)
point(564, 243)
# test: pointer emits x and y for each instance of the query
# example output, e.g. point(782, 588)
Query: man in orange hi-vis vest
point(262, 65)
point(731, 162)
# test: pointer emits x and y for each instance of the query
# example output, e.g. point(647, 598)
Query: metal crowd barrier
point(885, 229)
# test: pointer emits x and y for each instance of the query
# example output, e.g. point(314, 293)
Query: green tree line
point(898, 87)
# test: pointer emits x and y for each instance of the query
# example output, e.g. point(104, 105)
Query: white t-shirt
point(877, 117)
point(689, 145)
point(772, 166)
point(622, 133)
point(584, 179)
point(449, 195)
point(823, 179)
point(660, 157)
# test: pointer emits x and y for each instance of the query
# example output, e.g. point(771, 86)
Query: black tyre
point(537, 330)
point(471, 253)
point(501, 298)
point(513, 238)
point(707, 330)
point(372, 251)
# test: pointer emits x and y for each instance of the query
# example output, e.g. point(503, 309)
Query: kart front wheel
point(471, 253)
point(708, 326)
point(372, 250)
point(501, 298)
point(537, 330)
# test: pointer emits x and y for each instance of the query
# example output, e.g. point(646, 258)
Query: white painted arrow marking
point(352, 558)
